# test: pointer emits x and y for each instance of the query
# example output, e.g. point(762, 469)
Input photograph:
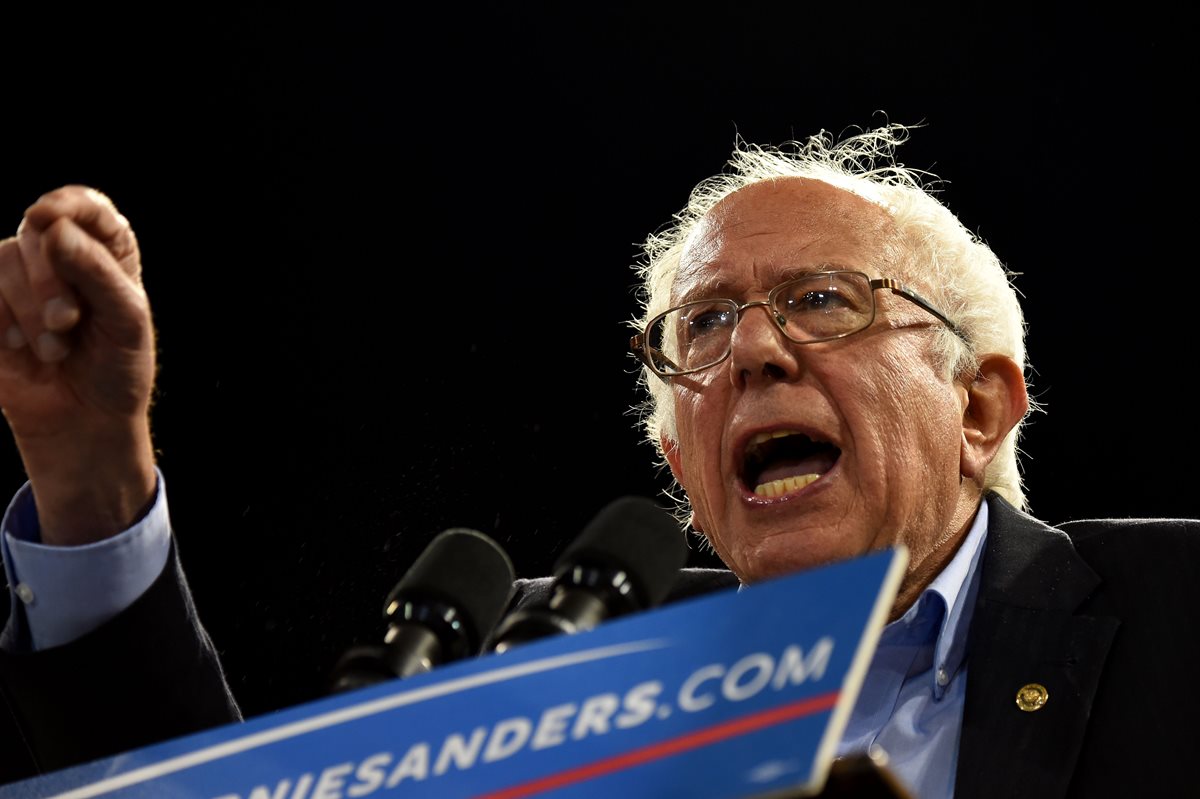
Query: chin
point(784, 554)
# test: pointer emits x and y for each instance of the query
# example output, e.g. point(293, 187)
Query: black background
point(389, 255)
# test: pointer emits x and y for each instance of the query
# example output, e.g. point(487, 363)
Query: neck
point(924, 566)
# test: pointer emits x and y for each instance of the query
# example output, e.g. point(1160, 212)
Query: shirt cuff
point(68, 591)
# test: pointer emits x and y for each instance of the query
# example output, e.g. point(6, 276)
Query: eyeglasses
point(820, 306)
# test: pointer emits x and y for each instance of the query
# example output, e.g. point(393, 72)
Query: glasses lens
point(825, 305)
point(692, 336)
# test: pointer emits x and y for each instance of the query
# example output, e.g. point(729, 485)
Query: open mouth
point(784, 461)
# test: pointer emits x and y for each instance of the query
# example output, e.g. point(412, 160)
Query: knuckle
point(98, 197)
point(59, 195)
point(66, 240)
point(120, 243)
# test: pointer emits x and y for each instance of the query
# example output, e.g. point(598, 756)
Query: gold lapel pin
point(1032, 697)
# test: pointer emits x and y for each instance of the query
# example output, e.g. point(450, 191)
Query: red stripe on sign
point(657, 751)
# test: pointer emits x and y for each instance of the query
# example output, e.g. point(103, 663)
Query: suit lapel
point(1025, 634)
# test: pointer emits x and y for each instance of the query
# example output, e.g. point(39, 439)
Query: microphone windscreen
point(637, 536)
point(465, 569)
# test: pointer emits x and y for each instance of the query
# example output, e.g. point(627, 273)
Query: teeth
point(761, 437)
point(777, 488)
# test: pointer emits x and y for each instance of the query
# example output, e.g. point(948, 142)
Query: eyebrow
point(722, 288)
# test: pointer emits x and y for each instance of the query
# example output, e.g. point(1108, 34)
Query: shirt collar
point(957, 585)
point(955, 588)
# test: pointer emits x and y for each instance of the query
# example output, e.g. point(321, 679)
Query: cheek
point(698, 412)
point(697, 415)
point(934, 438)
point(908, 418)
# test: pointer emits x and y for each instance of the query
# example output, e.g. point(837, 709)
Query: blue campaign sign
point(730, 695)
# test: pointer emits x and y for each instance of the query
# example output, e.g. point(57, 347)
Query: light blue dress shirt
point(911, 704)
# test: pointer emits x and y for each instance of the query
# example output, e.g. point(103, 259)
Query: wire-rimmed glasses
point(819, 306)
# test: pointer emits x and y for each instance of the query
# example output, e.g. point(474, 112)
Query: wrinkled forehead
point(769, 231)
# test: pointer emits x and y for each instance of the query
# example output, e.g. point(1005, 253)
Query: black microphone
point(624, 561)
point(441, 611)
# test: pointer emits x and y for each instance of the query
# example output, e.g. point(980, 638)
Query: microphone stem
point(411, 649)
point(583, 607)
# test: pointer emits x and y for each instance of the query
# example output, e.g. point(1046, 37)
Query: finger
point(11, 336)
point(42, 322)
point(95, 213)
point(115, 301)
point(25, 312)
point(53, 301)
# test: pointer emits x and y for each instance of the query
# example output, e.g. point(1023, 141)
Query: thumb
point(115, 298)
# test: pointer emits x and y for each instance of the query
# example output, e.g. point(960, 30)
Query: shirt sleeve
point(60, 593)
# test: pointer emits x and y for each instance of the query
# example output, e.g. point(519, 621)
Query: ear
point(996, 400)
point(674, 459)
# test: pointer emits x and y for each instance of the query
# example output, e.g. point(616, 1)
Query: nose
point(758, 348)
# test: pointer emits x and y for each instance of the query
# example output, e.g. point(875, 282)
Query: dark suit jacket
point(1106, 615)
point(1101, 613)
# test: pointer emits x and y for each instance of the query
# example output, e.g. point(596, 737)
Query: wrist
point(91, 487)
